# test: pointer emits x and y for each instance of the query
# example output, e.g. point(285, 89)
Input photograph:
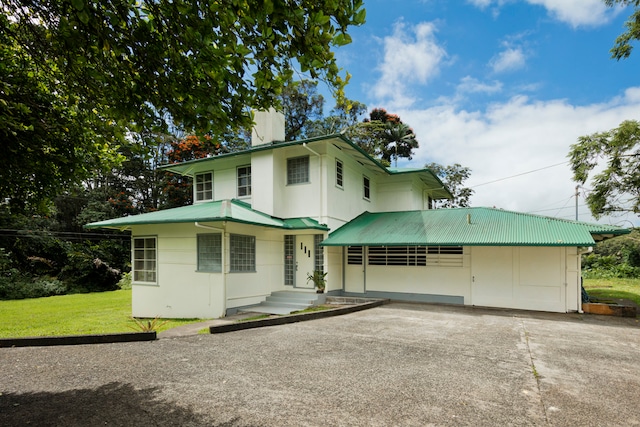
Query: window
point(445, 256)
point(298, 170)
point(366, 188)
point(204, 186)
point(144, 259)
point(319, 251)
point(243, 253)
point(210, 252)
point(289, 259)
point(398, 255)
point(244, 181)
point(354, 255)
point(338, 173)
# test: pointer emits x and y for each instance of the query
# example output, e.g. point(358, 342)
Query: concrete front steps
point(286, 302)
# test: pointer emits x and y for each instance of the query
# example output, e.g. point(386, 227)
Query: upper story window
point(298, 170)
point(244, 181)
point(366, 188)
point(204, 186)
point(339, 168)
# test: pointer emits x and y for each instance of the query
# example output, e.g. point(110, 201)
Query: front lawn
point(612, 289)
point(77, 314)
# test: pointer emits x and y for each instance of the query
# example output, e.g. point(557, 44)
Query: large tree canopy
point(617, 187)
point(453, 177)
point(622, 48)
point(78, 73)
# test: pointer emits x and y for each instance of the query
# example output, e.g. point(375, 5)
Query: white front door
point(305, 260)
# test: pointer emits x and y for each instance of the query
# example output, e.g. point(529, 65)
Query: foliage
point(148, 325)
point(617, 187)
point(302, 106)
point(622, 48)
point(125, 281)
point(318, 278)
point(49, 140)
point(611, 289)
point(200, 63)
point(614, 258)
point(96, 313)
point(453, 177)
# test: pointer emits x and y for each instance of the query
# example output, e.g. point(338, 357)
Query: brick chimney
point(269, 127)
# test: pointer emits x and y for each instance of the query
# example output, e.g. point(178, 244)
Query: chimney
point(269, 127)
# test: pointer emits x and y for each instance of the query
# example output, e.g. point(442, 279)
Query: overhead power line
point(520, 174)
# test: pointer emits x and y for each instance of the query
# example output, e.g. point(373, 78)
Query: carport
point(471, 256)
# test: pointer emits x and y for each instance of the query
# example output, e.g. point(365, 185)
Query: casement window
point(204, 187)
point(298, 170)
point(244, 181)
point(366, 188)
point(339, 168)
point(354, 255)
point(289, 259)
point(445, 256)
point(398, 255)
point(145, 259)
point(210, 252)
point(243, 253)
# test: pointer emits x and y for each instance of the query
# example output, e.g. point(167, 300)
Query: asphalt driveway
point(400, 364)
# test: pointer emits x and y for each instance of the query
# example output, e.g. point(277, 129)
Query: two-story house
point(266, 217)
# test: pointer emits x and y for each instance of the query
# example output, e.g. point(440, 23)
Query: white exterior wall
point(180, 291)
point(183, 292)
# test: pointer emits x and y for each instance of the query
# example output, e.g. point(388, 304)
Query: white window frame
point(209, 256)
point(298, 176)
point(246, 186)
point(201, 191)
point(366, 188)
point(242, 255)
point(144, 260)
point(339, 174)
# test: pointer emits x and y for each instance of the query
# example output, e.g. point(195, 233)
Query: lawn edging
point(78, 339)
point(294, 318)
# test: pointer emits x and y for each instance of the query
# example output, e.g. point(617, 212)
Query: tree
point(617, 187)
point(383, 135)
point(77, 76)
point(622, 47)
point(302, 106)
point(453, 177)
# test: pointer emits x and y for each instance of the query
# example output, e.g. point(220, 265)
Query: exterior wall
point(180, 291)
point(183, 292)
point(529, 278)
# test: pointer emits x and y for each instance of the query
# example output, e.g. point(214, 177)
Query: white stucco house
point(263, 218)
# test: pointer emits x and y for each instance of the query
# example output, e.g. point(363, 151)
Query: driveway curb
point(294, 318)
point(78, 339)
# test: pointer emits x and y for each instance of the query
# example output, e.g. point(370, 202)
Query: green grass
point(611, 289)
point(314, 308)
point(78, 314)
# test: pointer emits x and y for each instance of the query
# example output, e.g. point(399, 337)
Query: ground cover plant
point(77, 314)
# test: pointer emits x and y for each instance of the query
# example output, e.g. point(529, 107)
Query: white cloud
point(411, 56)
point(470, 84)
point(573, 12)
point(509, 59)
point(513, 137)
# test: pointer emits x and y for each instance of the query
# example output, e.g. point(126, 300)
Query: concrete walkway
point(195, 328)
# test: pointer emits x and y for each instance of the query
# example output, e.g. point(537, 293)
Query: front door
point(305, 260)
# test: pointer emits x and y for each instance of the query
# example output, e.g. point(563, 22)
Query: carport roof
point(467, 227)
point(222, 210)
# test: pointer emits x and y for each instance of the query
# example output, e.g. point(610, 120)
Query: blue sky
point(503, 87)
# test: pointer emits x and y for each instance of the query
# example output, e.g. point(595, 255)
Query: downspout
point(321, 181)
point(224, 273)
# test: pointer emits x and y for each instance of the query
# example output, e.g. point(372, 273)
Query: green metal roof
point(221, 210)
point(434, 184)
point(466, 227)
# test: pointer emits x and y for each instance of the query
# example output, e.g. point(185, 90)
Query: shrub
point(125, 281)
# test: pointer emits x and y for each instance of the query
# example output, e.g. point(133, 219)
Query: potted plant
point(319, 280)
